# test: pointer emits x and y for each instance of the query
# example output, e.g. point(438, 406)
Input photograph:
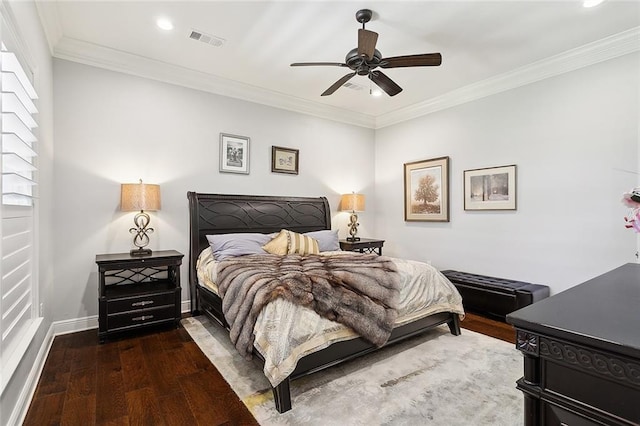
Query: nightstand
point(137, 292)
point(364, 245)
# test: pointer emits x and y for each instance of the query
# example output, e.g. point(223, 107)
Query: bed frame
point(220, 214)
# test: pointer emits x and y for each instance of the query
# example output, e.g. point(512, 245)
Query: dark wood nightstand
point(136, 292)
point(364, 245)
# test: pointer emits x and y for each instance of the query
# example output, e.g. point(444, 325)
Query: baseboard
point(74, 325)
point(28, 390)
point(57, 328)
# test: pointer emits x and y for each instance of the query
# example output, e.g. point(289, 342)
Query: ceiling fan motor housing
point(361, 65)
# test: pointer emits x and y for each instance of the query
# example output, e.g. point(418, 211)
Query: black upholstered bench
point(494, 297)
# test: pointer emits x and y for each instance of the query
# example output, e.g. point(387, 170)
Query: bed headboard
point(223, 214)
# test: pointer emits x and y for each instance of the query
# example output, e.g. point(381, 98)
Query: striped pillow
point(289, 242)
point(302, 244)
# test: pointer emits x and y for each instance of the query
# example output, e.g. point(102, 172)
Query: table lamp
point(354, 203)
point(140, 196)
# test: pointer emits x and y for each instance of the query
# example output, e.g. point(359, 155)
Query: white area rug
point(432, 379)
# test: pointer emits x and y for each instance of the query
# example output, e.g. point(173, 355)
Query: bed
point(212, 214)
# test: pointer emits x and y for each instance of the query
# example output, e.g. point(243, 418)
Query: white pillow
point(227, 245)
point(327, 239)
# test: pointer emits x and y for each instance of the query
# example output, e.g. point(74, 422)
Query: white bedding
point(424, 291)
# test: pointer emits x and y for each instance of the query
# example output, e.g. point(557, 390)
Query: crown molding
point(114, 60)
point(608, 48)
point(48, 14)
point(90, 54)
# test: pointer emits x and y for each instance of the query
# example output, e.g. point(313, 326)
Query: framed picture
point(493, 188)
point(426, 190)
point(234, 154)
point(284, 160)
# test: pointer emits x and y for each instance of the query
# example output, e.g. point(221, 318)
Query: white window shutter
point(18, 315)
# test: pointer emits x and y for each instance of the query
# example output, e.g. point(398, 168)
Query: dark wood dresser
point(582, 353)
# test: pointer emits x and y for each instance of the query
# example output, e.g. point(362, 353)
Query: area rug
point(433, 379)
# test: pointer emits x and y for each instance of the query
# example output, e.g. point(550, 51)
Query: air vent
point(207, 38)
point(353, 86)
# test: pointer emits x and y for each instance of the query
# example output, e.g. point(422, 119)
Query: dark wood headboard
point(224, 214)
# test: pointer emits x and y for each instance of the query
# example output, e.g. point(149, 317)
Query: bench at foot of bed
point(495, 297)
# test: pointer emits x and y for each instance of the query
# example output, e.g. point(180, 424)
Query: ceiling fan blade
point(313, 64)
point(385, 83)
point(424, 60)
point(337, 84)
point(367, 43)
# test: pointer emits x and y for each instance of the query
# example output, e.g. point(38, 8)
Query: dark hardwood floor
point(158, 378)
point(489, 327)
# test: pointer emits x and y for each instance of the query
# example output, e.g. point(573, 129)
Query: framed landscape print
point(492, 188)
point(284, 160)
point(426, 190)
point(234, 154)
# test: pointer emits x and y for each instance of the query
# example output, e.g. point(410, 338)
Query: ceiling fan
point(364, 59)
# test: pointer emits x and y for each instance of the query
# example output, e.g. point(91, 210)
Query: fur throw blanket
point(359, 291)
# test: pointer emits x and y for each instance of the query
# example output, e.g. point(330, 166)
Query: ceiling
point(487, 47)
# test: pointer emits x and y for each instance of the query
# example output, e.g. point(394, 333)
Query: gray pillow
point(327, 239)
point(227, 245)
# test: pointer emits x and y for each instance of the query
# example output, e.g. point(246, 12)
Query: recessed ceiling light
point(591, 3)
point(375, 92)
point(164, 24)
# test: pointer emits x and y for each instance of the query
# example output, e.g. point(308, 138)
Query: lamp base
point(140, 252)
point(353, 227)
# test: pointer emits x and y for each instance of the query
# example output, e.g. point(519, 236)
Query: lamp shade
point(139, 196)
point(352, 202)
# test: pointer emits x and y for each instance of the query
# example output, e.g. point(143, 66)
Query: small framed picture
point(492, 188)
point(426, 190)
point(234, 154)
point(284, 160)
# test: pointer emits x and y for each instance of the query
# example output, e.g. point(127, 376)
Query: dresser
point(581, 352)
point(137, 291)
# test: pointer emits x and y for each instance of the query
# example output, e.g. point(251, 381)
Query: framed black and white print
point(492, 188)
point(284, 160)
point(426, 190)
point(234, 154)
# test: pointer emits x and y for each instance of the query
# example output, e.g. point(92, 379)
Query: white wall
point(113, 128)
point(574, 139)
point(16, 395)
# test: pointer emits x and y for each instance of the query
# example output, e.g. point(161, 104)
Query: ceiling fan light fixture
point(164, 24)
point(375, 92)
point(591, 3)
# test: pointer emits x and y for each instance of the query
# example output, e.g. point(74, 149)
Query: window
point(17, 132)
point(18, 292)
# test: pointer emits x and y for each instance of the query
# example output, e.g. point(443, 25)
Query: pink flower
point(632, 199)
